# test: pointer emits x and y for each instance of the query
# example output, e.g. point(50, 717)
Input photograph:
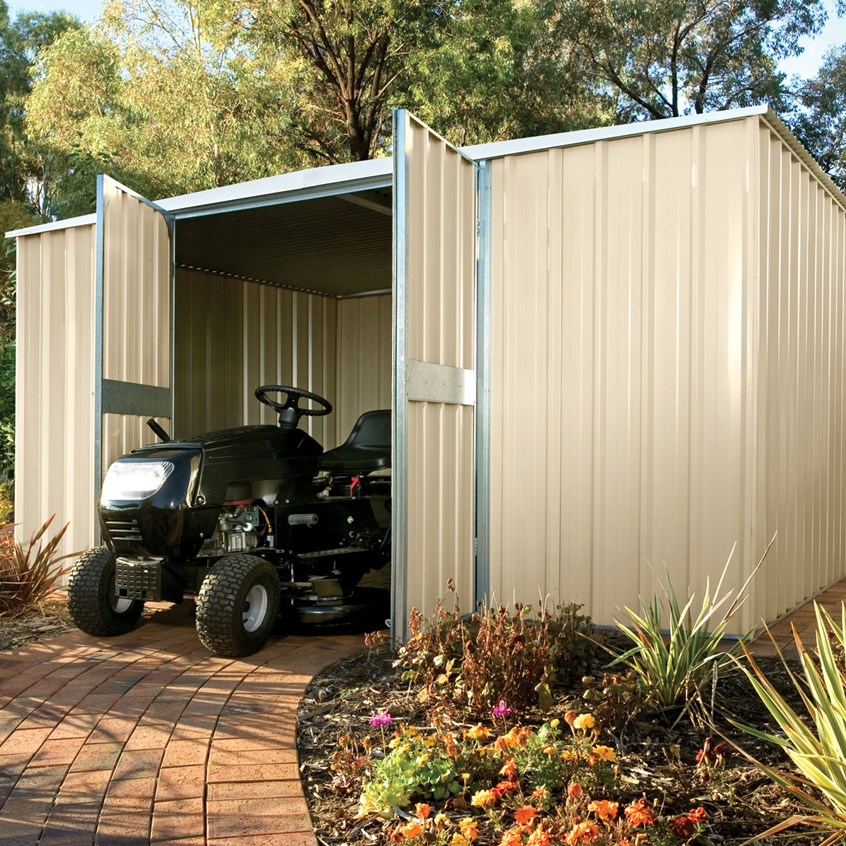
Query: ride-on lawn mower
point(257, 522)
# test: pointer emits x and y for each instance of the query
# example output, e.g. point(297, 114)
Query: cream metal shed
point(607, 352)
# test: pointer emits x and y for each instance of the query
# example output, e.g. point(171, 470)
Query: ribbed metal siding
point(55, 383)
point(440, 329)
point(234, 336)
point(797, 420)
point(124, 432)
point(621, 339)
point(364, 360)
point(136, 291)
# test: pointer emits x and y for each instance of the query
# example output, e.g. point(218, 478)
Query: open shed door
point(133, 323)
point(435, 212)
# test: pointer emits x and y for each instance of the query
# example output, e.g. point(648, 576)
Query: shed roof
point(352, 177)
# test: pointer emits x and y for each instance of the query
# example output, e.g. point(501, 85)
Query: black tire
point(237, 605)
point(92, 603)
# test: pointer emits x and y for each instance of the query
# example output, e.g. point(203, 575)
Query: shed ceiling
point(339, 246)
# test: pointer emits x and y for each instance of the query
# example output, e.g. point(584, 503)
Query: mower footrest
point(138, 579)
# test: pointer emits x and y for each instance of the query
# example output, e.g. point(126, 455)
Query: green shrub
point(674, 656)
point(28, 574)
point(814, 742)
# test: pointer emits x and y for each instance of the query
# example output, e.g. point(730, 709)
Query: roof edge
point(498, 149)
point(82, 220)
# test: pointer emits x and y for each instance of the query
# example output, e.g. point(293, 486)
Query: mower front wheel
point(237, 605)
point(93, 603)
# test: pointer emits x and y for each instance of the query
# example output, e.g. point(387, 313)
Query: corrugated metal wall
point(136, 290)
point(234, 336)
point(440, 330)
point(624, 390)
point(364, 359)
point(55, 382)
point(798, 415)
point(124, 432)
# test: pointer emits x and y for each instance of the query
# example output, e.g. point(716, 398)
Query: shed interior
point(292, 293)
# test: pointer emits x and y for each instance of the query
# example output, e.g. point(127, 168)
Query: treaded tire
point(228, 622)
point(92, 603)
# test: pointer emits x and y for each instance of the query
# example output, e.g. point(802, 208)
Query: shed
point(607, 352)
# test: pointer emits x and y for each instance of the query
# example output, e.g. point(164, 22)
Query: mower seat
point(367, 448)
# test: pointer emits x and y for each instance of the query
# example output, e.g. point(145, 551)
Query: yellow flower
point(567, 755)
point(549, 750)
point(483, 799)
point(479, 732)
point(555, 723)
point(604, 753)
point(459, 840)
point(441, 820)
point(585, 722)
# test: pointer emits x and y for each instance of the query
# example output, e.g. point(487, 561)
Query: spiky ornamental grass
point(816, 741)
point(674, 655)
point(29, 574)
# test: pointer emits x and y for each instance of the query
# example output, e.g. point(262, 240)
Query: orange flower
point(468, 828)
point(484, 799)
point(517, 736)
point(509, 769)
point(574, 790)
point(682, 827)
point(422, 811)
point(639, 814)
point(504, 788)
point(570, 717)
point(549, 750)
point(459, 840)
point(604, 753)
point(604, 809)
point(539, 837)
point(539, 793)
point(698, 815)
point(512, 837)
point(583, 832)
point(411, 829)
point(525, 814)
point(567, 755)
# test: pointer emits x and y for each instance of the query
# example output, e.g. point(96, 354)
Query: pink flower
point(380, 720)
point(501, 710)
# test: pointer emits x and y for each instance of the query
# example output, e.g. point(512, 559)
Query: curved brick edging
point(147, 739)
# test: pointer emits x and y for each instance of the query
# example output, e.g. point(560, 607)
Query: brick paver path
point(148, 739)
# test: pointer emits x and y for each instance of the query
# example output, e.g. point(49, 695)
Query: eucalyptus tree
point(664, 58)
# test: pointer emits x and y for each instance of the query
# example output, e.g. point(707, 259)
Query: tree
point(664, 58)
point(156, 97)
point(820, 122)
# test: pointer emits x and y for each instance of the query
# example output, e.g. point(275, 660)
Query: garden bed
point(676, 764)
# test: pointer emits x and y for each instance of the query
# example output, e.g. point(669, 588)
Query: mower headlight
point(134, 479)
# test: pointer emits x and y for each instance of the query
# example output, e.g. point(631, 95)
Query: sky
point(805, 65)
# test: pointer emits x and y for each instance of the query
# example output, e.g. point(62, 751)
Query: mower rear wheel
point(93, 603)
point(237, 605)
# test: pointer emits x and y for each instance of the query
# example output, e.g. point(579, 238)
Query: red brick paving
point(148, 739)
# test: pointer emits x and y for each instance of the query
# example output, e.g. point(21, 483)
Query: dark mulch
point(655, 758)
point(49, 619)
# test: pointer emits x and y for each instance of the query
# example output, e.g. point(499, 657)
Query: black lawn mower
point(256, 522)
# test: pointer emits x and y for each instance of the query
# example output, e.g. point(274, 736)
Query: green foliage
point(675, 656)
point(815, 741)
point(414, 768)
point(494, 654)
point(663, 58)
point(28, 574)
point(820, 122)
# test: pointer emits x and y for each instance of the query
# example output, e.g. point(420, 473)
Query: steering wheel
point(290, 411)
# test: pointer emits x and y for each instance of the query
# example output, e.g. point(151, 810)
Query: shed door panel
point(435, 348)
point(134, 331)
